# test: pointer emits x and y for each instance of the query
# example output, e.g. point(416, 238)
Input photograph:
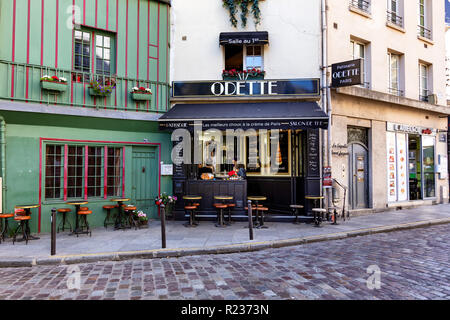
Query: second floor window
point(423, 28)
point(423, 82)
point(244, 57)
point(358, 51)
point(393, 13)
point(394, 74)
point(85, 42)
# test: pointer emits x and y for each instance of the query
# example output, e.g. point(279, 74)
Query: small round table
point(317, 220)
point(77, 205)
point(190, 199)
point(223, 199)
point(27, 208)
point(256, 199)
point(120, 201)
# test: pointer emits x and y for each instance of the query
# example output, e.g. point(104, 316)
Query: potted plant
point(142, 217)
point(96, 88)
point(141, 94)
point(54, 83)
point(243, 75)
point(168, 202)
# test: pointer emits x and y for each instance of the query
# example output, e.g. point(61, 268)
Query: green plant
point(232, 6)
point(107, 88)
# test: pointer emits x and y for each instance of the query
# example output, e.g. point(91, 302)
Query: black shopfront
point(280, 119)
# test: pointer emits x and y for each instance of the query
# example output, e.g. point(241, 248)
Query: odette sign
point(348, 73)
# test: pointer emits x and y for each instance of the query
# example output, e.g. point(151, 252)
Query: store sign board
point(392, 167)
point(409, 129)
point(348, 73)
point(249, 88)
point(402, 173)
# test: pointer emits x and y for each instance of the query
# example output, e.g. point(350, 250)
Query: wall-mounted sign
point(409, 129)
point(166, 169)
point(338, 149)
point(254, 88)
point(244, 38)
point(348, 73)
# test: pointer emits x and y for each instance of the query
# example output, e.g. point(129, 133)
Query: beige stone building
point(388, 141)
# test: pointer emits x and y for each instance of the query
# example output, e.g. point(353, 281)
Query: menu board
point(313, 153)
point(391, 166)
point(402, 172)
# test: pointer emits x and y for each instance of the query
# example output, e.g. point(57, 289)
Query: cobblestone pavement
point(414, 264)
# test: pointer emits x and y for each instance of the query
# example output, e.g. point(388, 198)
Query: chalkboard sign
point(313, 155)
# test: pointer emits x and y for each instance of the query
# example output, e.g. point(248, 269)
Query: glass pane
point(86, 37)
point(106, 42)
point(99, 52)
point(106, 54)
point(78, 35)
point(86, 62)
point(428, 166)
point(86, 49)
point(78, 47)
point(99, 41)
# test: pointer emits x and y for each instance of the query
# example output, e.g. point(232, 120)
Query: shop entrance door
point(359, 186)
point(144, 188)
point(415, 172)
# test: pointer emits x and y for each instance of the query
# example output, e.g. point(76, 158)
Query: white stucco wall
point(294, 49)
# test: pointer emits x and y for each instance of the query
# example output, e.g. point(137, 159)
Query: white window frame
point(394, 90)
point(244, 63)
point(354, 43)
point(426, 77)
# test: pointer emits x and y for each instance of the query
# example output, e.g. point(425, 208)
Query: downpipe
point(3, 160)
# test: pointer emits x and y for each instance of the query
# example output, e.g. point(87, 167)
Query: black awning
point(267, 115)
point(244, 38)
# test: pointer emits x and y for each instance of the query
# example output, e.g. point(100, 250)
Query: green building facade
point(84, 135)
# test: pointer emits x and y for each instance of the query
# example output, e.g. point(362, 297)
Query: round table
point(77, 205)
point(256, 199)
point(27, 208)
point(120, 201)
point(190, 199)
point(223, 199)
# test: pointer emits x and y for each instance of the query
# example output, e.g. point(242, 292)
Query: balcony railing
point(396, 91)
point(394, 18)
point(424, 95)
point(361, 5)
point(21, 82)
point(424, 32)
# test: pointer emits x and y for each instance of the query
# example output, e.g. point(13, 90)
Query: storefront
point(274, 134)
point(411, 162)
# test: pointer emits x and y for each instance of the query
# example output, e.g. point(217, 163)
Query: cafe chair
point(318, 214)
point(64, 211)
point(23, 226)
point(84, 222)
point(4, 224)
point(108, 217)
point(129, 211)
point(220, 207)
point(295, 208)
point(191, 210)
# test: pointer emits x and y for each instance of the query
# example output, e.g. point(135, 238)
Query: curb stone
point(180, 252)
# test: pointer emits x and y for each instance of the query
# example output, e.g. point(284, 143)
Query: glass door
point(415, 167)
point(429, 182)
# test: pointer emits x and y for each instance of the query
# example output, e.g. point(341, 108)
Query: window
point(244, 57)
point(393, 13)
point(423, 82)
point(394, 74)
point(84, 173)
point(363, 5)
point(104, 45)
point(423, 29)
point(358, 51)
point(428, 166)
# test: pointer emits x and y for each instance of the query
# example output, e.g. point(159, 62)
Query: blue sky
point(447, 11)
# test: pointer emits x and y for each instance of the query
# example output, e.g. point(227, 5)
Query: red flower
point(55, 78)
point(142, 88)
point(232, 173)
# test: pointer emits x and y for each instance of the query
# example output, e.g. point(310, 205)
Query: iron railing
point(21, 82)
point(423, 96)
point(361, 5)
point(395, 91)
point(394, 18)
point(424, 32)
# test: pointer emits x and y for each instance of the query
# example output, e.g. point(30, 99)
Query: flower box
point(97, 93)
point(54, 86)
point(249, 78)
point(141, 96)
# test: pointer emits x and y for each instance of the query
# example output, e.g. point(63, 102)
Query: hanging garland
point(232, 7)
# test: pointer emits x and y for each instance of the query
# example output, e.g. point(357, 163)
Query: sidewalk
point(206, 238)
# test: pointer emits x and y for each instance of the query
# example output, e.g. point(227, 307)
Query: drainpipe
point(3, 160)
point(325, 155)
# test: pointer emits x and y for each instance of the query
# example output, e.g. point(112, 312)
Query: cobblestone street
point(414, 264)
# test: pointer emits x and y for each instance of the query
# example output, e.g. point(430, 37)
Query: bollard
point(53, 236)
point(250, 219)
point(163, 226)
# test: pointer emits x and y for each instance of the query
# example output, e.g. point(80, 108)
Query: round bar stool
point(294, 208)
point(63, 222)
point(108, 209)
point(83, 214)
point(230, 207)
point(191, 210)
point(129, 210)
point(4, 223)
point(23, 225)
point(190, 207)
point(219, 207)
point(318, 215)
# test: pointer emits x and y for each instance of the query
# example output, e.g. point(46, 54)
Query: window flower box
point(245, 75)
point(98, 89)
point(54, 83)
point(141, 94)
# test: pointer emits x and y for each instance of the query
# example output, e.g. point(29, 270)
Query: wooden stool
point(230, 207)
point(23, 225)
point(130, 210)
point(318, 215)
point(83, 214)
point(108, 209)
point(84, 208)
point(63, 222)
point(220, 207)
point(294, 208)
point(5, 225)
point(261, 210)
point(191, 209)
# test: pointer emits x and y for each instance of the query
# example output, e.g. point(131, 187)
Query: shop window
point(428, 166)
point(95, 172)
point(114, 172)
point(244, 57)
point(54, 164)
point(75, 172)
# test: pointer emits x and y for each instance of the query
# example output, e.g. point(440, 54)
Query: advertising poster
point(391, 166)
point(402, 173)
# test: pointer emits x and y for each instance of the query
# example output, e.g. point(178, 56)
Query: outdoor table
point(119, 201)
point(315, 198)
point(77, 205)
point(256, 199)
point(27, 209)
point(223, 199)
point(190, 199)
